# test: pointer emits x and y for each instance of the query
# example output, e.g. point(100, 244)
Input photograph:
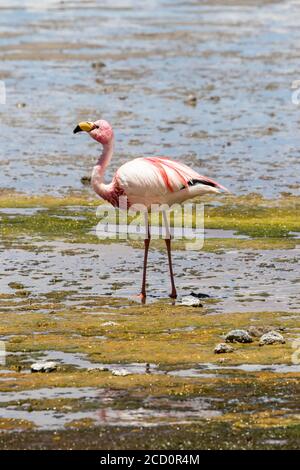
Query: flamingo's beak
point(84, 126)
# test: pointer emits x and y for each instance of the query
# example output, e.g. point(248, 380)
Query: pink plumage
point(145, 181)
point(152, 180)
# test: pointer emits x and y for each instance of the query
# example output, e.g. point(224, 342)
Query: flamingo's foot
point(139, 297)
point(142, 297)
point(173, 294)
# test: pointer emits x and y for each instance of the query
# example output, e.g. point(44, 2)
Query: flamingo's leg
point(173, 294)
point(146, 250)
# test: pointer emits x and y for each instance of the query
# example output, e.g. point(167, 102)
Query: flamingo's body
point(145, 181)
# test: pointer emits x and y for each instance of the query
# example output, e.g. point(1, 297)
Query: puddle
point(219, 233)
point(209, 370)
point(275, 442)
point(176, 232)
point(155, 412)
point(239, 280)
point(50, 393)
point(295, 234)
point(20, 210)
point(80, 360)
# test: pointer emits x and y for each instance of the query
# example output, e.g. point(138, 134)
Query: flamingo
point(146, 181)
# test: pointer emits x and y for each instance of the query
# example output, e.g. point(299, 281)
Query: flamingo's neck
point(98, 185)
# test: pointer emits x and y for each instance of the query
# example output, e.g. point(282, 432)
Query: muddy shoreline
point(203, 437)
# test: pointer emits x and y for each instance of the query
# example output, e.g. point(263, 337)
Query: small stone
point(16, 285)
point(200, 295)
point(215, 99)
point(98, 369)
point(120, 372)
point(191, 100)
point(238, 336)
point(43, 366)
point(21, 105)
point(222, 348)
point(273, 337)
point(191, 301)
point(23, 293)
point(109, 323)
point(258, 331)
point(86, 180)
point(98, 65)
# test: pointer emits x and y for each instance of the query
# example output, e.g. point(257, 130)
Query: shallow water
point(240, 280)
point(239, 58)
point(208, 370)
point(175, 412)
point(81, 361)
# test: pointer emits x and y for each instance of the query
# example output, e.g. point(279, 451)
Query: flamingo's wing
point(158, 176)
point(177, 175)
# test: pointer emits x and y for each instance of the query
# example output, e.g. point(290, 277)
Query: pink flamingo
point(147, 181)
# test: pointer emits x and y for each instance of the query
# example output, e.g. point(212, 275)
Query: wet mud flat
point(146, 376)
point(124, 373)
point(251, 263)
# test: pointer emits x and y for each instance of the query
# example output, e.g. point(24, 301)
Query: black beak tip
point(76, 130)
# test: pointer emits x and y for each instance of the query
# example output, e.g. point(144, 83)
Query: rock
point(191, 100)
point(16, 285)
point(86, 180)
point(120, 372)
point(258, 331)
point(43, 366)
point(223, 348)
point(215, 99)
point(200, 296)
point(98, 369)
point(272, 337)
point(191, 301)
point(238, 336)
point(98, 65)
point(109, 323)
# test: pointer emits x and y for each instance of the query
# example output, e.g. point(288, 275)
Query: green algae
point(245, 401)
point(257, 217)
point(147, 334)
point(9, 199)
point(269, 223)
point(202, 436)
point(9, 424)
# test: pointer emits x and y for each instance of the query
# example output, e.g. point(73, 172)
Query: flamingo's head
point(99, 130)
